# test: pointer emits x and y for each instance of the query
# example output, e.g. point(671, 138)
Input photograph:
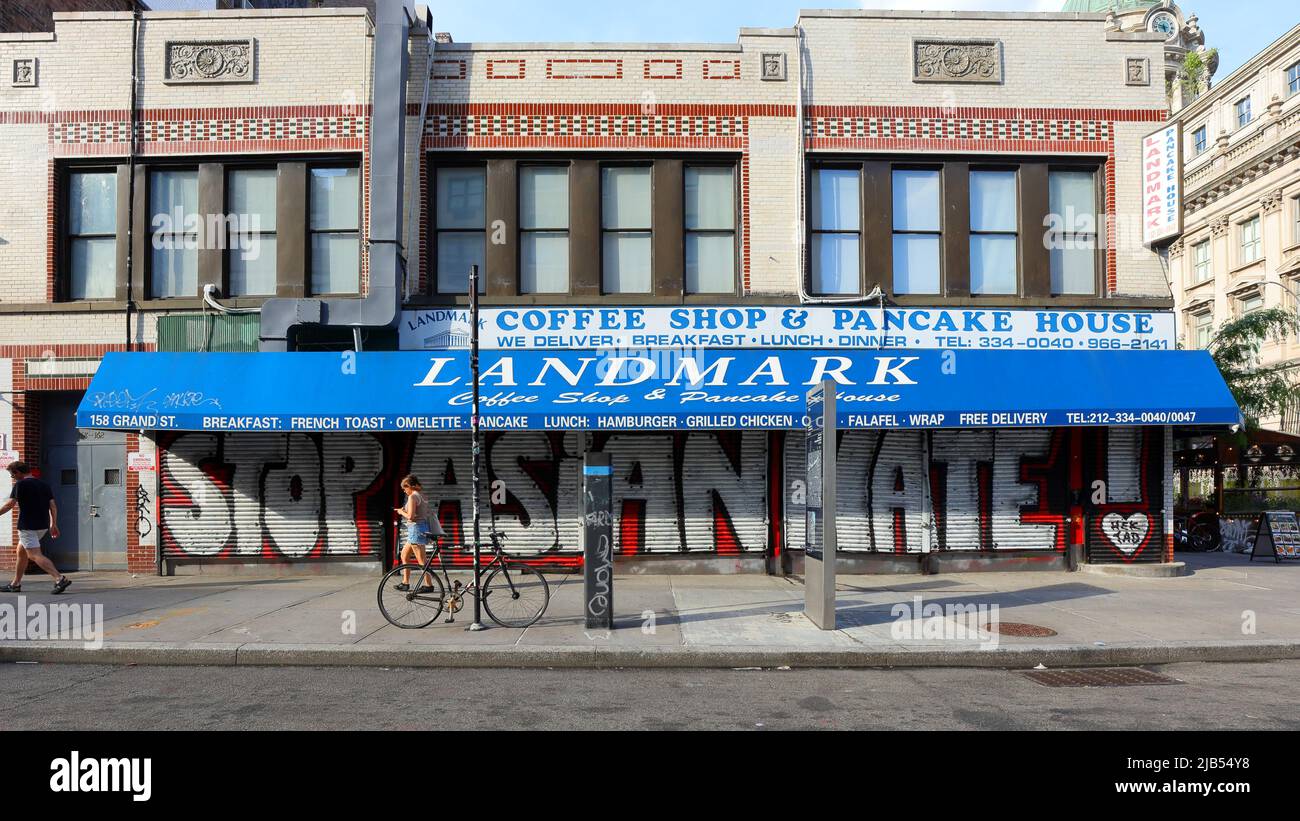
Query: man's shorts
point(31, 539)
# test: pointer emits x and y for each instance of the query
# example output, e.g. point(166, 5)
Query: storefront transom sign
point(652, 390)
point(808, 327)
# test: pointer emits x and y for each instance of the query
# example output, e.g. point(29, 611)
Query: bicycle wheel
point(515, 595)
point(410, 609)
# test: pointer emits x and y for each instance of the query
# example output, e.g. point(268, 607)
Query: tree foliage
point(1260, 390)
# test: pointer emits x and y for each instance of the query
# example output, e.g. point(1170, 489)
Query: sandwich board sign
point(819, 550)
point(1278, 536)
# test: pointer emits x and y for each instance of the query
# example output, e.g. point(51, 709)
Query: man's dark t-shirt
point(33, 497)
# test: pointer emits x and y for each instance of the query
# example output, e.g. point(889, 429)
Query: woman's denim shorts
point(418, 533)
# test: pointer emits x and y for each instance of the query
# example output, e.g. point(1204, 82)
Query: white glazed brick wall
point(23, 220)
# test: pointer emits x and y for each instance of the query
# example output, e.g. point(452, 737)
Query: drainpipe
point(130, 175)
point(382, 304)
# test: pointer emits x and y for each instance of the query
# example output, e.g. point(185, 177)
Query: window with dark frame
point(836, 221)
point(1200, 139)
point(1293, 79)
point(918, 230)
point(1072, 203)
point(174, 238)
point(238, 197)
point(334, 229)
point(460, 227)
point(954, 229)
point(543, 229)
point(251, 242)
point(994, 238)
point(627, 229)
point(709, 227)
point(92, 234)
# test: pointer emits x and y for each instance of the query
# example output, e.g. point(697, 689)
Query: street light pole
point(475, 449)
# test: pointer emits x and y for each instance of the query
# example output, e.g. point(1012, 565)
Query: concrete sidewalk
point(698, 621)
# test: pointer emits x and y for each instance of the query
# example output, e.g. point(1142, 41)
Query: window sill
point(1196, 286)
point(1243, 267)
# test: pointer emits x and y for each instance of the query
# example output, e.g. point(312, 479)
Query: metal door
point(104, 480)
point(60, 472)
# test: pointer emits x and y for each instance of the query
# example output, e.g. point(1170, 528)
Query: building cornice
point(1233, 82)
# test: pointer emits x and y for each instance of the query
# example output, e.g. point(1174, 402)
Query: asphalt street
point(90, 697)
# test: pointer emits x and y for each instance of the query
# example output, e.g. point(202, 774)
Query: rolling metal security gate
point(688, 492)
point(1129, 527)
point(245, 496)
point(971, 487)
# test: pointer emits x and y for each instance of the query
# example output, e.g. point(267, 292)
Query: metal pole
point(475, 448)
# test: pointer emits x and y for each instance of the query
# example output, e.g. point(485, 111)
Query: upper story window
point(994, 243)
point(544, 229)
point(627, 229)
point(251, 244)
point(918, 230)
point(335, 227)
point(1252, 245)
point(1203, 331)
point(92, 234)
point(1200, 140)
point(709, 226)
point(251, 227)
point(1242, 109)
point(1250, 303)
point(954, 230)
point(1293, 79)
point(1072, 202)
point(835, 220)
point(656, 229)
point(174, 221)
point(1201, 262)
point(460, 227)
point(1295, 220)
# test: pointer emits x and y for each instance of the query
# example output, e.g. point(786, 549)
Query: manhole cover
point(1011, 628)
point(1098, 677)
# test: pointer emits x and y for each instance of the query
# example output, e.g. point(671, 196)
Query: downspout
point(130, 175)
point(382, 304)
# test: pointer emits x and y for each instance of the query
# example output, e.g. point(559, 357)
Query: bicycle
point(513, 594)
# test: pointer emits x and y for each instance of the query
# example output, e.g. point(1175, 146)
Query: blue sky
point(1238, 28)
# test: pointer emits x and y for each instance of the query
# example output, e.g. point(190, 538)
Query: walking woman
point(422, 528)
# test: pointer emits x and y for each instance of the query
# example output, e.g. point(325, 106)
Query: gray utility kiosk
point(598, 541)
point(819, 552)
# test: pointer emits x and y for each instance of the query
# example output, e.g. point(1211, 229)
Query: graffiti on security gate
point(247, 495)
point(241, 496)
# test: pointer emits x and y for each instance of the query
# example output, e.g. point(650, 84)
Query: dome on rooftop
point(1103, 6)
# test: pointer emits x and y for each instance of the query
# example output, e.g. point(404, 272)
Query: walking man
point(37, 513)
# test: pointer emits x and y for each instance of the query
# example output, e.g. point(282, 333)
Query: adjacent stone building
point(1240, 248)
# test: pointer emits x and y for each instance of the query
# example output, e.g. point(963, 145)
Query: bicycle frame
point(498, 558)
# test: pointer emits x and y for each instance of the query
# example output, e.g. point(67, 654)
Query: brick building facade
point(844, 100)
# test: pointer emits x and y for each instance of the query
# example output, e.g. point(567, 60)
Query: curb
point(605, 657)
point(1166, 570)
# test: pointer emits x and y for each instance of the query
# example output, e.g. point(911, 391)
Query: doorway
point(86, 469)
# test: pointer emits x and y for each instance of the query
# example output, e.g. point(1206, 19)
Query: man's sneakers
point(59, 586)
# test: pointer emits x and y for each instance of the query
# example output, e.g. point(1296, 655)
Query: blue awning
point(652, 390)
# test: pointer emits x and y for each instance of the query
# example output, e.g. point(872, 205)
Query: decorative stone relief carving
point(23, 74)
point(1272, 201)
point(1219, 227)
point(1137, 71)
point(1176, 248)
point(773, 65)
point(209, 61)
point(956, 61)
